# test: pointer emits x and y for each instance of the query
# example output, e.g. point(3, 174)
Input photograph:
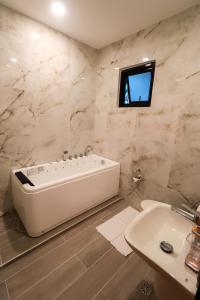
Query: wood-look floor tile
point(122, 286)
point(22, 262)
point(113, 210)
point(100, 296)
point(52, 285)
point(106, 213)
point(20, 246)
point(3, 291)
point(93, 280)
point(94, 251)
point(9, 236)
point(14, 243)
point(40, 268)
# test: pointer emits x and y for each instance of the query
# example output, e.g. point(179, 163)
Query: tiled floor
point(14, 240)
point(80, 264)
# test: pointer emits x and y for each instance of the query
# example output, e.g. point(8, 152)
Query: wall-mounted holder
point(137, 176)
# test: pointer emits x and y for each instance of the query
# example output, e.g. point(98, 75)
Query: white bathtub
point(63, 190)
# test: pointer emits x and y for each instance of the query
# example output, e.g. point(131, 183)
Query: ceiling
point(99, 23)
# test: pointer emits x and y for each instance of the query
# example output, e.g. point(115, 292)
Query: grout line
point(50, 250)
point(115, 200)
point(56, 268)
point(94, 213)
point(46, 276)
point(7, 243)
point(36, 259)
point(82, 263)
point(87, 226)
point(7, 290)
point(109, 280)
point(53, 270)
point(82, 274)
point(68, 286)
point(53, 249)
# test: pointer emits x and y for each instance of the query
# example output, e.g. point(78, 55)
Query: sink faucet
point(188, 213)
point(88, 149)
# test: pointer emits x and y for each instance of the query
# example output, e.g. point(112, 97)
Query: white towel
point(113, 229)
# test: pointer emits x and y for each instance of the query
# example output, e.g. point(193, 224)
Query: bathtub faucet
point(88, 149)
point(65, 155)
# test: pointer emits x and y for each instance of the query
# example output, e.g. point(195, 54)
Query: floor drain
point(145, 288)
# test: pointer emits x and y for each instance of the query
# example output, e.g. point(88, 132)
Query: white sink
point(156, 224)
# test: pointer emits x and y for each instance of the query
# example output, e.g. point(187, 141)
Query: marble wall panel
point(47, 95)
point(162, 140)
point(60, 94)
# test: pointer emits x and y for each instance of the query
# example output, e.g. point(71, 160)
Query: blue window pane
point(139, 87)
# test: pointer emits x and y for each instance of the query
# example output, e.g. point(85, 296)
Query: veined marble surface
point(47, 95)
point(47, 104)
point(163, 140)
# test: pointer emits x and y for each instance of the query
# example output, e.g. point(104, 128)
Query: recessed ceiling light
point(13, 60)
point(145, 59)
point(58, 9)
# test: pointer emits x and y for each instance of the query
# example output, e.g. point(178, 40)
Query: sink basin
point(156, 224)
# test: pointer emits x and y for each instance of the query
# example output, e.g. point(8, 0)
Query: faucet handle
point(65, 152)
point(196, 214)
point(88, 149)
point(188, 208)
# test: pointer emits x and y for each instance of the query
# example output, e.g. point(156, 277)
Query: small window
point(136, 85)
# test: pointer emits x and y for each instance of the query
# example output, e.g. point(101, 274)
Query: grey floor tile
point(51, 286)
point(22, 262)
point(81, 226)
point(40, 268)
point(113, 210)
point(14, 243)
point(93, 280)
point(106, 213)
point(9, 236)
point(100, 296)
point(122, 286)
point(94, 251)
point(3, 291)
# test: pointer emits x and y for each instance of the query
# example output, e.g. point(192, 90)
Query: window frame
point(134, 70)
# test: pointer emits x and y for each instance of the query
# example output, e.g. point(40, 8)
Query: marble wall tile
point(185, 170)
point(61, 94)
point(47, 95)
point(162, 140)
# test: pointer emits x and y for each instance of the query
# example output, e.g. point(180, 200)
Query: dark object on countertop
point(23, 179)
point(197, 297)
point(166, 247)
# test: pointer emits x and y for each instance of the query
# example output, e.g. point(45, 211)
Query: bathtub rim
point(26, 188)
